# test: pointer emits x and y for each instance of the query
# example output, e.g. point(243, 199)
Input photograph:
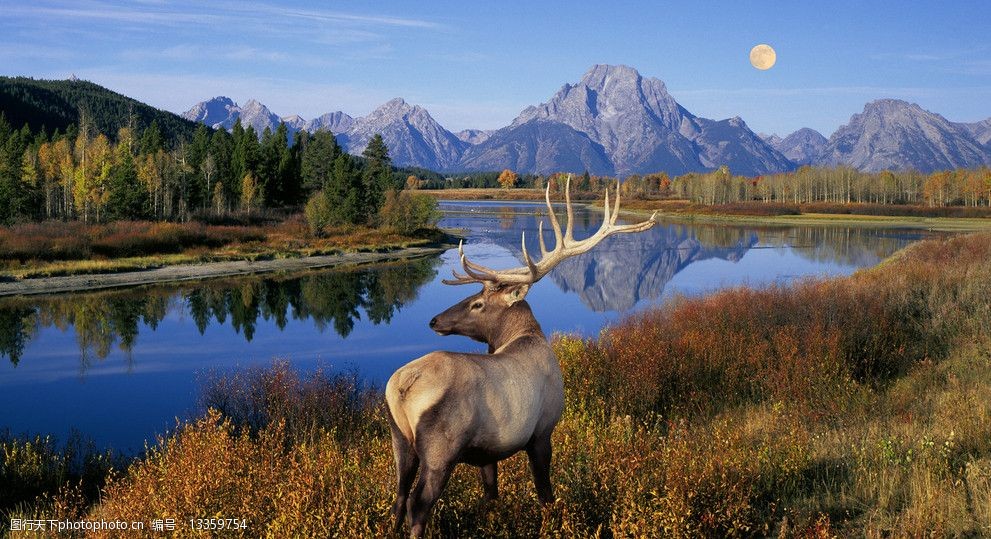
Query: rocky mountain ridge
point(615, 121)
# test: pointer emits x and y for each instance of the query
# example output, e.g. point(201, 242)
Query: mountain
point(895, 134)
point(293, 123)
point(335, 122)
point(772, 140)
point(538, 146)
point(414, 138)
point(474, 136)
point(640, 128)
point(222, 113)
point(615, 121)
point(731, 143)
point(56, 104)
point(981, 131)
point(213, 112)
point(803, 146)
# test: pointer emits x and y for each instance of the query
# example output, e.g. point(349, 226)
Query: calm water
point(121, 366)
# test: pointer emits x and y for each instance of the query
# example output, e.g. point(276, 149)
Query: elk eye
point(477, 305)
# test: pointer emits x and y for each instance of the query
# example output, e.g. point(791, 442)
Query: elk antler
point(565, 245)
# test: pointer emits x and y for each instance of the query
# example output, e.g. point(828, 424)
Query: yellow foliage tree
point(507, 179)
point(250, 192)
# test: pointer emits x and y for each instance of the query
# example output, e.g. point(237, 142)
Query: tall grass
point(76, 241)
point(855, 407)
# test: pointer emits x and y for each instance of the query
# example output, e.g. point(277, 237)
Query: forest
point(83, 174)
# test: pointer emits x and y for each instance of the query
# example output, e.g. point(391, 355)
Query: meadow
point(858, 406)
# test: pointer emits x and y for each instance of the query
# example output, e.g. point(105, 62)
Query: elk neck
point(518, 321)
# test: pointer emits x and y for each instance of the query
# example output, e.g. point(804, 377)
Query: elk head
point(477, 315)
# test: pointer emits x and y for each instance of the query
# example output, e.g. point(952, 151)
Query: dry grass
point(854, 407)
point(53, 249)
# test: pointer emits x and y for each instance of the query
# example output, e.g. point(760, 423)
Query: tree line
point(806, 185)
point(82, 173)
point(842, 185)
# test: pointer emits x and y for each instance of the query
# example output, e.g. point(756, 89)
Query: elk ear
point(512, 294)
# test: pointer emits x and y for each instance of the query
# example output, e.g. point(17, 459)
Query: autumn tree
point(507, 179)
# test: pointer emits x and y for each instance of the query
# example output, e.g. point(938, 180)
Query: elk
point(447, 408)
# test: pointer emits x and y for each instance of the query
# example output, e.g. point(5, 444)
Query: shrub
point(318, 212)
point(407, 212)
point(36, 467)
point(256, 398)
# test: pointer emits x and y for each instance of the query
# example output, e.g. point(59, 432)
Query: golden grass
point(290, 239)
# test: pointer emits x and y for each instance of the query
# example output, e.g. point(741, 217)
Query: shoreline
point(205, 270)
point(932, 224)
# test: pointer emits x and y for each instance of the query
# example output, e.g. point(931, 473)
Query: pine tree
point(126, 198)
point(377, 175)
point(344, 192)
point(318, 159)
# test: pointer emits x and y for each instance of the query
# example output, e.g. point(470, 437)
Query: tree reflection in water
point(102, 319)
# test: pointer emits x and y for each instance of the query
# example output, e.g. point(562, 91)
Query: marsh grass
point(52, 249)
point(858, 406)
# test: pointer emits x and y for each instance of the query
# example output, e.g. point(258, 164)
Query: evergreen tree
point(318, 160)
point(377, 175)
point(197, 152)
point(344, 192)
point(126, 200)
point(272, 155)
point(289, 172)
point(221, 149)
point(151, 139)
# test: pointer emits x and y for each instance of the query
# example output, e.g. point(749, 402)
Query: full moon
point(762, 57)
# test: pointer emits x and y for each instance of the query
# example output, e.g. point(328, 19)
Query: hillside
point(56, 104)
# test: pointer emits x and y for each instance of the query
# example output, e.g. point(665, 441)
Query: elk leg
point(539, 452)
point(425, 494)
point(489, 474)
point(406, 465)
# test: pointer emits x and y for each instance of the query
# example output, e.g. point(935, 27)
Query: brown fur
point(447, 408)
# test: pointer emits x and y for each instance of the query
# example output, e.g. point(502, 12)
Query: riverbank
point(935, 224)
point(210, 270)
point(60, 249)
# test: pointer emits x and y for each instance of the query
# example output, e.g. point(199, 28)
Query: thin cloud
point(38, 52)
point(212, 15)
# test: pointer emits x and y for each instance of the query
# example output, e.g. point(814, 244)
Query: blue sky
point(477, 64)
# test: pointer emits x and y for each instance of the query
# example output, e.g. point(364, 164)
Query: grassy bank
point(55, 248)
point(858, 406)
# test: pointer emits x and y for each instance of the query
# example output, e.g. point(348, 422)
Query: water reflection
point(628, 269)
point(103, 319)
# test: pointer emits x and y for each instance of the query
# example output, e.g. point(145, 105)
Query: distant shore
point(206, 270)
point(676, 211)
